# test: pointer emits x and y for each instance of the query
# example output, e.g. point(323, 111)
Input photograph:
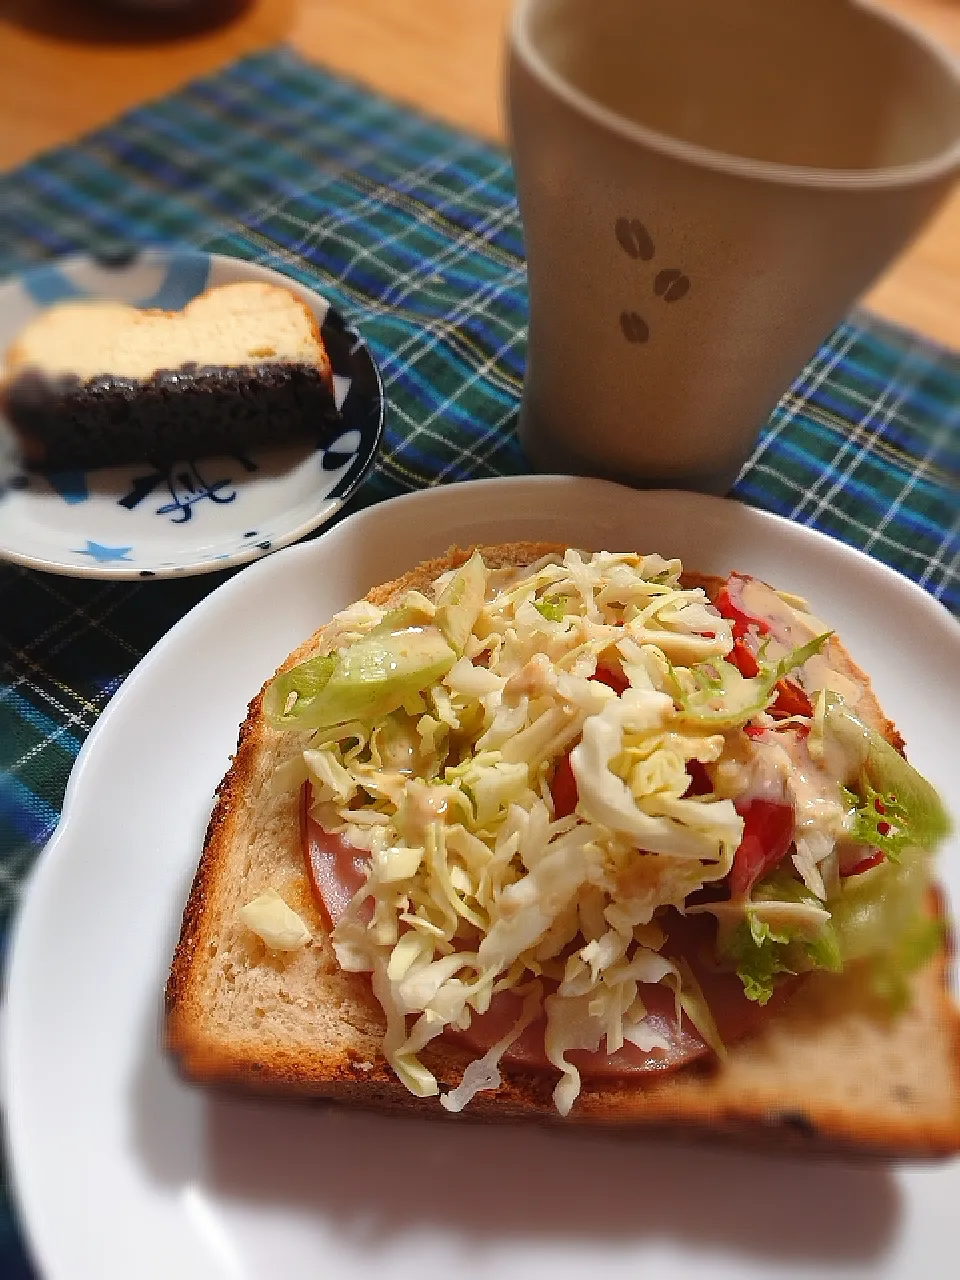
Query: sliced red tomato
point(791, 700)
point(768, 828)
point(871, 860)
point(563, 788)
point(744, 659)
point(614, 680)
point(728, 604)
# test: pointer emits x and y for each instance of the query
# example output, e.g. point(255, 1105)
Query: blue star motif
point(103, 555)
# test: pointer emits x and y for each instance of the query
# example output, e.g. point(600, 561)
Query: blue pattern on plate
point(185, 275)
point(48, 285)
point(102, 554)
point(71, 485)
point(171, 496)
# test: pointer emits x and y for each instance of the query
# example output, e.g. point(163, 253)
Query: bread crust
point(767, 1092)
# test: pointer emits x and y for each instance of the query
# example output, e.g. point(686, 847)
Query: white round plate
point(121, 1170)
point(197, 515)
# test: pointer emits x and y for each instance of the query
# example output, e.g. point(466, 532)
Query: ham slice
point(337, 870)
point(684, 1043)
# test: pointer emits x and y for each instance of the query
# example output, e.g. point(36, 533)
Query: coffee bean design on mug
point(635, 328)
point(634, 238)
point(670, 284)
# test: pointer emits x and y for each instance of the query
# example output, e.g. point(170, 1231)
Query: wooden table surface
point(67, 66)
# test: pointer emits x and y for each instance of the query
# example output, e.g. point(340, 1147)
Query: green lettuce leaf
point(873, 769)
point(820, 952)
point(306, 681)
point(757, 953)
point(893, 967)
point(880, 820)
point(722, 698)
point(552, 610)
point(879, 916)
point(382, 671)
point(876, 908)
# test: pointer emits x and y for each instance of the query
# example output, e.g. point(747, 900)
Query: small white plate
point(121, 1170)
point(197, 515)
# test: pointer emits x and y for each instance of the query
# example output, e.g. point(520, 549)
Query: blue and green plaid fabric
point(411, 228)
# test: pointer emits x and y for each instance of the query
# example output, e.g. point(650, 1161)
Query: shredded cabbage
point(274, 922)
point(875, 771)
point(435, 737)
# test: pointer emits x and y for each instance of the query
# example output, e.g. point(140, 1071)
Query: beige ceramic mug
point(706, 186)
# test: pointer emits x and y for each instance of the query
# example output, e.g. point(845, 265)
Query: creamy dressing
point(790, 628)
point(818, 673)
point(815, 792)
point(782, 766)
point(486, 848)
point(778, 767)
point(536, 678)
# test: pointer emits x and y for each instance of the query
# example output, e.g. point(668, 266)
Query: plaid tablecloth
point(411, 228)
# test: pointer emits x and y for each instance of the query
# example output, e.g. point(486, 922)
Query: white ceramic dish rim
point(922, 599)
point(58, 849)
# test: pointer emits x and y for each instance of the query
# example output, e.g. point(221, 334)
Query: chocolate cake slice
point(93, 384)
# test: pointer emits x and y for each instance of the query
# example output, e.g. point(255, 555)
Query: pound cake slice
point(99, 383)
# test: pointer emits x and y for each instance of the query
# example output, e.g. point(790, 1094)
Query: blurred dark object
point(152, 6)
point(122, 21)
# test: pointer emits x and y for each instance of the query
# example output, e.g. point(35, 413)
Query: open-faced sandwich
point(542, 833)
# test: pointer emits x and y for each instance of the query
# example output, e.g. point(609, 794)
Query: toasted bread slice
point(831, 1070)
